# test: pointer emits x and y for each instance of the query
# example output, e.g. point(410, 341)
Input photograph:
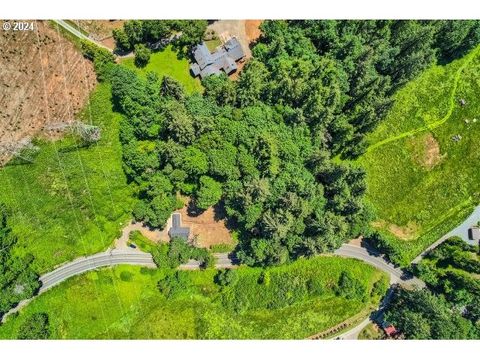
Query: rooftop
point(177, 230)
point(222, 59)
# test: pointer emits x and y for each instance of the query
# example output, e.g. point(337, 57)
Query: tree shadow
point(74, 147)
point(193, 210)
point(220, 213)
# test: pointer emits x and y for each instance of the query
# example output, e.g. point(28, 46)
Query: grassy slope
point(166, 62)
point(123, 302)
point(70, 201)
point(405, 192)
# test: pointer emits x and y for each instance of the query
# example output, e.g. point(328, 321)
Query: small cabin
point(177, 230)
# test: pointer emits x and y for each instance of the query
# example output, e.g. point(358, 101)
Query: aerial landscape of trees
point(263, 146)
point(274, 152)
point(449, 308)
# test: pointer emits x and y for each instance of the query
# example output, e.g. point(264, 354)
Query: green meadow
point(421, 182)
point(167, 62)
point(124, 302)
point(72, 200)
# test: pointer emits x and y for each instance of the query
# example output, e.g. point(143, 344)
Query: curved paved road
point(397, 275)
point(84, 264)
point(461, 231)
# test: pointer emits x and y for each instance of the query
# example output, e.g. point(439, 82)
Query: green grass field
point(71, 201)
point(166, 62)
point(422, 183)
point(124, 302)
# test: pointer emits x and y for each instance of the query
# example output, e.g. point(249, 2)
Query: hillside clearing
point(416, 173)
point(71, 200)
point(167, 62)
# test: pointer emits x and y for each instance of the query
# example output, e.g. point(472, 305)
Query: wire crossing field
point(421, 182)
point(166, 62)
point(72, 200)
point(296, 301)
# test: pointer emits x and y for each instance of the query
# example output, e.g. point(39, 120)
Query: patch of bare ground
point(206, 228)
point(357, 241)
point(426, 151)
point(252, 30)
point(44, 79)
point(252, 33)
point(407, 232)
point(99, 30)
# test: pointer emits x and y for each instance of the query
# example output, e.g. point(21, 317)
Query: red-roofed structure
point(390, 330)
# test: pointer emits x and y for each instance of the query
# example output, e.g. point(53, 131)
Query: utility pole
point(23, 149)
point(88, 133)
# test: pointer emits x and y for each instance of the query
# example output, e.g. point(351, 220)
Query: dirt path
point(439, 122)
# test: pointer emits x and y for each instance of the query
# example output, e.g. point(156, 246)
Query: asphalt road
point(397, 276)
point(84, 264)
point(461, 231)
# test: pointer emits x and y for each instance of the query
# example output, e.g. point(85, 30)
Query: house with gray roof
point(177, 230)
point(224, 58)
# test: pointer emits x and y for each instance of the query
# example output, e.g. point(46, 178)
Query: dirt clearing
point(207, 228)
point(426, 151)
point(407, 232)
point(252, 30)
point(100, 30)
point(44, 79)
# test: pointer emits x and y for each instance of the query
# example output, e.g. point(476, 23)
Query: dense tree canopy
point(450, 308)
point(17, 280)
point(150, 31)
point(266, 147)
point(423, 315)
point(142, 55)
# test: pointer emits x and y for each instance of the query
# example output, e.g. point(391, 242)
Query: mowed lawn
point(167, 62)
point(124, 303)
point(71, 200)
point(424, 184)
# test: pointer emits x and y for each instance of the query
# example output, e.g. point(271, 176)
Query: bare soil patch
point(357, 241)
point(44, 79)
point(99, 29)
point(426, 151)
point(252, 30)
point(407, 232)
point(207, 228)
